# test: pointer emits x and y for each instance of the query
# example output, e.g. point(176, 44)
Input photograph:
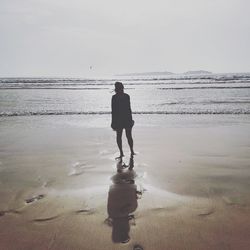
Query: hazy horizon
point(118, 74)
point(83, 38)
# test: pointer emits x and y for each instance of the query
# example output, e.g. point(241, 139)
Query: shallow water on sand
point(59, 183)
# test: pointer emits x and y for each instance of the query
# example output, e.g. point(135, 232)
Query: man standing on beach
point(122, 117)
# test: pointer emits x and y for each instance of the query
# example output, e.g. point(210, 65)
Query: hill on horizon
point(191, 72)
point(147, 73)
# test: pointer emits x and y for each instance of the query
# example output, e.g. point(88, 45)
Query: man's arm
point(112, 112)
point(129, 106)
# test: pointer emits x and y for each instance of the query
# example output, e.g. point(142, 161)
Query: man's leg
point(130, 140)
point(119, 140)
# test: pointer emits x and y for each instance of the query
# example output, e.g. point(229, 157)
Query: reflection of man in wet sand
point(122, 202)
point(122, 117)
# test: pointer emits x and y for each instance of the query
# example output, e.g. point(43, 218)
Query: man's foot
point(132, 153)
point(119, 157)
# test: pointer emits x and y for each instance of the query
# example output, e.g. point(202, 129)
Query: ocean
point(171, 94)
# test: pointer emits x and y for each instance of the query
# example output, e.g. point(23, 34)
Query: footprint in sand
point(35, 198)
point(2, 213)
point(79, 168)
point(202, 212)
point(85, 211)
point(46, 219)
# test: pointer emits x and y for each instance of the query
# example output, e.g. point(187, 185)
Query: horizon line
point(126, 74)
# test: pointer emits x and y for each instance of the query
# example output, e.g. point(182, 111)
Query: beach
point(58, 175)
point(124, 125)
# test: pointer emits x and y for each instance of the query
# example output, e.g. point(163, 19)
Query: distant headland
point(147, 73)
point(197, 72)
point(191, 72)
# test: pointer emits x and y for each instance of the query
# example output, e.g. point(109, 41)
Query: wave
point(54, 113)
point(69, 88)
point(212, 87)
point(214, 78)
point(108, 86)
point(45, 80)
point(174, 76)
point(204, 102)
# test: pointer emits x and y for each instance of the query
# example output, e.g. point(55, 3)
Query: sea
point(194, 94)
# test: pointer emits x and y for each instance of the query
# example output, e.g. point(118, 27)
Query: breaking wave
point(45, 113)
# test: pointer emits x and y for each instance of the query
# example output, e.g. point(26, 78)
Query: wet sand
point(60, 188)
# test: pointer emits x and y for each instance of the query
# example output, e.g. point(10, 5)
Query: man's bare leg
point(119, 141)
point(130, 140)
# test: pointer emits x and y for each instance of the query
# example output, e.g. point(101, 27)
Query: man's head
point(119, 87)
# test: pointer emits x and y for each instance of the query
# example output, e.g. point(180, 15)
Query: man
point(122, 117)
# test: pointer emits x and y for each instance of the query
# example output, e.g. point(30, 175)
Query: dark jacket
point(121, 111)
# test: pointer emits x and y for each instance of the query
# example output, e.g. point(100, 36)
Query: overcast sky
point(66, 37)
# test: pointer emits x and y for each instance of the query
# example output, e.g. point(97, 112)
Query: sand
point(189, 188)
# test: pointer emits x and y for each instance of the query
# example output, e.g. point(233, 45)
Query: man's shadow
point(122, 201)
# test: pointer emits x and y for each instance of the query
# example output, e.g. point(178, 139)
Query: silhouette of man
point(122, 117)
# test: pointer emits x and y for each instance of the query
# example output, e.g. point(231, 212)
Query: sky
point(78, 38)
